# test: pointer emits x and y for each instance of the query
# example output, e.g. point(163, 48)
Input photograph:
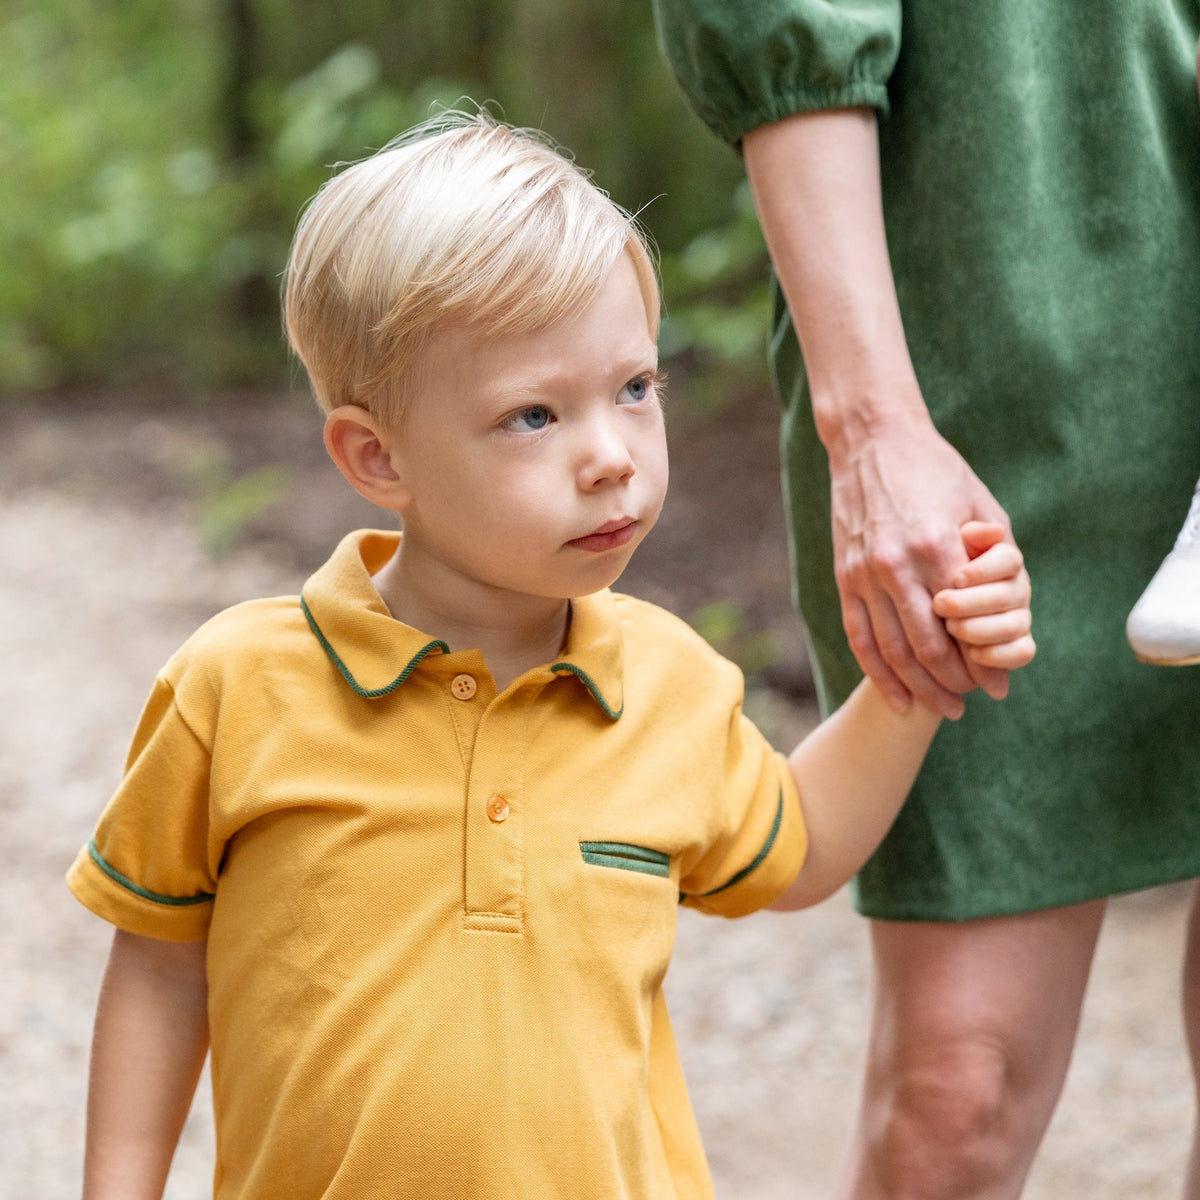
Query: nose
point(605, 455)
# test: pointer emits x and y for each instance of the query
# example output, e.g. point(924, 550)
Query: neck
point(514, 632)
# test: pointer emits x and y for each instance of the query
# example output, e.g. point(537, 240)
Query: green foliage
point(226, 502)
point(105, 215)
point(158, 152)
point(723, 625)
point(720, 302)
point(229, 505)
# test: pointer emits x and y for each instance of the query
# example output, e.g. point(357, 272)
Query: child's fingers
point(1008, 656)
point(991, 630)
point(979, 601)
point(999, 561)
point(979, 536)
point(987, 609)
point(984, 598)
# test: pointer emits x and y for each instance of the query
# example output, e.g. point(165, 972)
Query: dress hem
point(1011, 907)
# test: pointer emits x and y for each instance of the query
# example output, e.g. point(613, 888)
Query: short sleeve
point(749, 63)
point(148, 869)
point(761, 847)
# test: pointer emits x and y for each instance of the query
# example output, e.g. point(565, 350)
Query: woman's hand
point(899, 501)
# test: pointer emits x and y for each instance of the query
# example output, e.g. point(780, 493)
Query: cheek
point(439, 492)
point(510, 497)
point(656, 467)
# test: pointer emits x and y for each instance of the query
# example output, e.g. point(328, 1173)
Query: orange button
point(463, 686)
point(497, 808)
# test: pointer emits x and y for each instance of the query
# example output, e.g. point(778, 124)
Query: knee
point(944, 1125)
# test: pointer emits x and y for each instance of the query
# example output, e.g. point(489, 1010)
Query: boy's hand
point(987, 609)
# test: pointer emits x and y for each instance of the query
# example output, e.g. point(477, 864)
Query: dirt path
point(770, 1011)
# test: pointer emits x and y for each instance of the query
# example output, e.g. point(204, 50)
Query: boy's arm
point(148, 1049)
point(853, 773)
point(855, 770)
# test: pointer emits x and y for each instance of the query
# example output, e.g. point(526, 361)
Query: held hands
point(901, 495)
point(987, 611)
point(850, 799)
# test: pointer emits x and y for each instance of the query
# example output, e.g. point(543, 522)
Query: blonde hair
point(461, 221)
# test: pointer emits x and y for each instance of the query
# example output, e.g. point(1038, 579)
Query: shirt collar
point(375, 653)
point(593, 652)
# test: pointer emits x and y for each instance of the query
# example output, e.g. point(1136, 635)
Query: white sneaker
point(1164, 626)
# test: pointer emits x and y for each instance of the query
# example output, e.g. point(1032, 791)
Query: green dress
point(1041, 176)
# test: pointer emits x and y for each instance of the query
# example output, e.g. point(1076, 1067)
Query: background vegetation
point(156, 154)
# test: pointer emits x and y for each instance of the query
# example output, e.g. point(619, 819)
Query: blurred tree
point(253, 298)
point(158, 151)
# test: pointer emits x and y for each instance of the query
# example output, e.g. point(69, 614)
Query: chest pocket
point(629, 908)
point(626, 857)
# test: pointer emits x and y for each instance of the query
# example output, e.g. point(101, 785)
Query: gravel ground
point(98, 586)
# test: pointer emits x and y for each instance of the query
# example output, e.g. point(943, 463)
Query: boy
point(424, 884)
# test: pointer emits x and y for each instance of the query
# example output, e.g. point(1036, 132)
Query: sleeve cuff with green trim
point(102, 889)
point(769, 874)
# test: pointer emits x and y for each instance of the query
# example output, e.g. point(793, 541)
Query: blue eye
point(638, 389)
point(529, 420)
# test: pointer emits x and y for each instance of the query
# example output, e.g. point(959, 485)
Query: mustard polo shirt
point(439, 918)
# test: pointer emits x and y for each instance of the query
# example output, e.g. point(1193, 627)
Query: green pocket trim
point(625, 857)
point(130, 886)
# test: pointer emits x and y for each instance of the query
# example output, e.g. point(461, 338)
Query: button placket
point(495, 850)
point(466, 700)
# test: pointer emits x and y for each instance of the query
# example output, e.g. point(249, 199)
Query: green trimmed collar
point(375, 653)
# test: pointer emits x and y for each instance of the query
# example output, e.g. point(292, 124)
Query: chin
point(584, 579)
point(605, 580)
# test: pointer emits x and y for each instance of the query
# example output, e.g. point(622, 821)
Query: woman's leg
point(1191, 1024)
point(972, 1031)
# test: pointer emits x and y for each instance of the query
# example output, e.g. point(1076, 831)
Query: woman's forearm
point(150, 1041)
point(816, 184)
point(899, 493)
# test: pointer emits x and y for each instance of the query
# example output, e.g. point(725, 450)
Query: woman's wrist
point(858, 414)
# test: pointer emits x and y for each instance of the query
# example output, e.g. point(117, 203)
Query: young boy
point(409, 847)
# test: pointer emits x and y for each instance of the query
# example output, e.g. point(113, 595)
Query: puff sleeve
point(749, 63)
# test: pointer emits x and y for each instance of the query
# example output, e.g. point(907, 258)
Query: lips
point(608, 536)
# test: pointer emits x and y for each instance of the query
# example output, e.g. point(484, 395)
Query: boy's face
point(537, 463)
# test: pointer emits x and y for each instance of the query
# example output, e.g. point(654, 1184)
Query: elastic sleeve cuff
point(115, 899)
point(733, 127)
point(746, 64)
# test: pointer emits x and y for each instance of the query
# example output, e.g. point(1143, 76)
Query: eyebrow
point(624, 368)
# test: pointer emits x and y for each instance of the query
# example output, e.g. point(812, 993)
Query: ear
point(367, 455)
